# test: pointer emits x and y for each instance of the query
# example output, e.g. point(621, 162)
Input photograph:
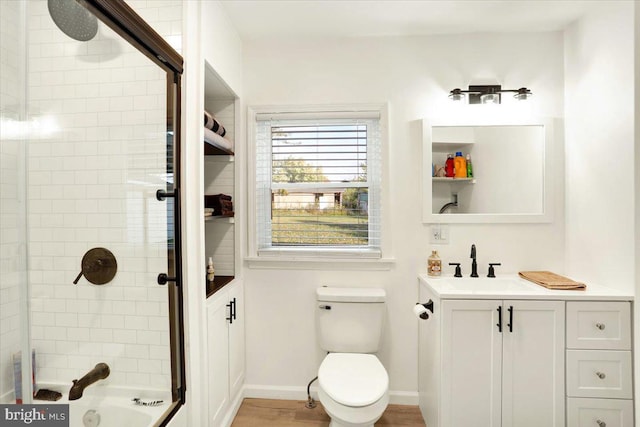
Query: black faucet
point(99, 372)
point(474, 264)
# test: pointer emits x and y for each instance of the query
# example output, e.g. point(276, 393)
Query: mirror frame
point(546, 216)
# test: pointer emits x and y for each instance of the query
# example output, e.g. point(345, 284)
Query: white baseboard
point(233, 409)
point(403, 398)
point(257, 391)
point(276, 392)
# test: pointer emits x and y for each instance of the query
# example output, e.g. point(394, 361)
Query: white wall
point(221, 44)
point(599, 100)
point(12, 186)
point(603, 207)
point(637, 201)
point(208, 35)
point(92, 180)
point(413, 75)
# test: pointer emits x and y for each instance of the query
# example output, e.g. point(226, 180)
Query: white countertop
point(511, 286)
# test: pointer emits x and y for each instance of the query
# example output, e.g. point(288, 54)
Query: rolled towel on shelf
point(220, 203)
point(210, 122)
point(218, 141)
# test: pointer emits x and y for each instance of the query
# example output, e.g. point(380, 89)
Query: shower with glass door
point(89, 211)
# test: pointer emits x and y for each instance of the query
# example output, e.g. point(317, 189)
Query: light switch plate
point(440, 234)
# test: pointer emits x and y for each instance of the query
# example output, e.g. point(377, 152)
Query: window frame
point(311, 257)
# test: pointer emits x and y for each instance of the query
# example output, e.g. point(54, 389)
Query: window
point(318, 179)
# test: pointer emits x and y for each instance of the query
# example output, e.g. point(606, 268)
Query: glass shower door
point(100, 132)
point(14, 313)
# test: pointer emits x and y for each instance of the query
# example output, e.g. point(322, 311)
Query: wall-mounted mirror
point(510, 179)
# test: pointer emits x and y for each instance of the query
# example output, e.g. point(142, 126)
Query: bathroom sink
point(484, 285)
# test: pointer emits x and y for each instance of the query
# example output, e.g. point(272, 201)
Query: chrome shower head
point(73, 19)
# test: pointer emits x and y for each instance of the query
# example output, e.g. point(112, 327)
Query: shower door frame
point(122, 19)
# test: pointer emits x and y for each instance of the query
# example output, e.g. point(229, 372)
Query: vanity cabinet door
point(218, 361)
point(236, 341)
point(533, 364)
point(471, 363)
point(502, 363)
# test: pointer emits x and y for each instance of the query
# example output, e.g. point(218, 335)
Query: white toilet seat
point(354, 388)
point(342, 415)
point(353, 379)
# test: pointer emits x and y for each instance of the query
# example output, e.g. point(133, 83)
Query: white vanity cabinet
point(599, 364)
point(508, 353)
point(226, 357)
point(501, 363)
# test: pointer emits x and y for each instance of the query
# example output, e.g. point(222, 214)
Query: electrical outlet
point(440, 234)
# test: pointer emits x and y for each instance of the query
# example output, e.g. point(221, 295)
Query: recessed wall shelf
point(456, 180)
point(218, 283)
point(450, 146)
point(220, 219)
point(212, 150)
point(220, 177)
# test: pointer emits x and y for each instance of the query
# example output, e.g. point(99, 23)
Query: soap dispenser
point(210, 270)
point(434, 264)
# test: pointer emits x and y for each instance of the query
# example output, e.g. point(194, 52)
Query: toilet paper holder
point(422, 310)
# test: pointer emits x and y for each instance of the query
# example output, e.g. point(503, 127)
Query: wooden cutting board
point(552, 280)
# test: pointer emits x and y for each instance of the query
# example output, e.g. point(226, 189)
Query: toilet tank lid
point(334, 294)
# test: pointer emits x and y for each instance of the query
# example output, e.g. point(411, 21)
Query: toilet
point(354, 386)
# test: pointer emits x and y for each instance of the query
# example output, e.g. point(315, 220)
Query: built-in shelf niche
point(219, 178)
point(219, 100)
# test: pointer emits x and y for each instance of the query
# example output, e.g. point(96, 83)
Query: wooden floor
point(288, 413)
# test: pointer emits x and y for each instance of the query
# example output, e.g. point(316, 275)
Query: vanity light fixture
point(488, 94)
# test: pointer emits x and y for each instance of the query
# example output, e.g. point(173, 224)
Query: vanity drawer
point(599, 325)
point(597, 373)
point(599, 413)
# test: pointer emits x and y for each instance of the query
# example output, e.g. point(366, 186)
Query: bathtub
point(110, 407)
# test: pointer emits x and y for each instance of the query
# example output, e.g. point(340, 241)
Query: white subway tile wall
point(13, 273)
point(93, 171)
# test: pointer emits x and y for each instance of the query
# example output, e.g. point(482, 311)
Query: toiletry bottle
point(210, 270)
point(469, 167)
point(460, 166)
point(448, 166)
point(434, 264)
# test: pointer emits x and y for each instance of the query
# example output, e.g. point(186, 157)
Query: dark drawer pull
point(230, 318)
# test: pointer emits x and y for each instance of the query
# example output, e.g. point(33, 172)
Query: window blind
point(318, 184)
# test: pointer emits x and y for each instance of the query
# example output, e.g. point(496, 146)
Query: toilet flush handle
point(325, 307)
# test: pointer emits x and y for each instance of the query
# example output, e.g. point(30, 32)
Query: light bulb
point(490, 98)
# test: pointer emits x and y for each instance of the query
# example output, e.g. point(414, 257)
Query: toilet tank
point(350, 320)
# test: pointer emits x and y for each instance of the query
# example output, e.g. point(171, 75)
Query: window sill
point(327, 262)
